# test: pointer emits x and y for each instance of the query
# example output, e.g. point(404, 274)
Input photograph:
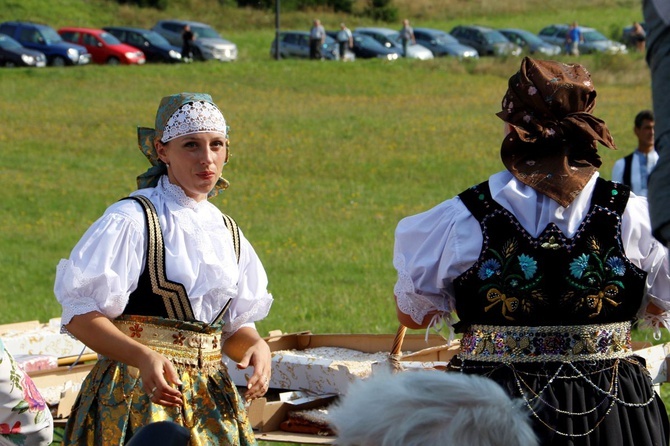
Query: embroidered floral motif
point(178, 338)
point(501, 343)
point(509, 280)
point(136, 331)
point(595, 276)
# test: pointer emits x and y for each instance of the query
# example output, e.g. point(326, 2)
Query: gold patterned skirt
point(112, 404)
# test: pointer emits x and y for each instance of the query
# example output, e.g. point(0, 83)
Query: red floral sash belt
point(193, 345)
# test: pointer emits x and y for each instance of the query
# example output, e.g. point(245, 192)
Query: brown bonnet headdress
point(552, 144)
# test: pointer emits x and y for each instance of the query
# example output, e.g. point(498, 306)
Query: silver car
point(594, 41)
point(296, 44)
point(530, 42)
point(390, 38)
point(208, 44)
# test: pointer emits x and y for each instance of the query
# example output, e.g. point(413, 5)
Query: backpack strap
point(234, 232)
point(627, 167)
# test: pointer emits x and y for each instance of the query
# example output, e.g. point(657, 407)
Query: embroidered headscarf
point(179, 115)
point(552, 144)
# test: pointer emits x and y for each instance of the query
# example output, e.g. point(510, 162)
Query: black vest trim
point(627, 169)
point(174, 296)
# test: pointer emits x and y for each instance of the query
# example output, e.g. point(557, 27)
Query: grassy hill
point(326, 157)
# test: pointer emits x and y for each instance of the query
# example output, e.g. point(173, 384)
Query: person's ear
point(160, 151)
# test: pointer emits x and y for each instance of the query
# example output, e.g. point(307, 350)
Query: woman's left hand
point(252, 350)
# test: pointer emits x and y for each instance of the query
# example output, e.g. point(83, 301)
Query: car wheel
point(113, 61)
point(9, 64)
point(197, 54)
point(58, 61)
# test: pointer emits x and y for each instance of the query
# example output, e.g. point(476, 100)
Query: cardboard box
point(266, 416)
point(324, 376)
point(656, 357)
point(35, 338)
point(64, 380)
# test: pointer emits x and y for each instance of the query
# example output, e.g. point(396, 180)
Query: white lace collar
point(175, 193)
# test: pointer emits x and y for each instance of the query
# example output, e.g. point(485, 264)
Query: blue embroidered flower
point(488, 269)
point(617, 265)
point(578, 266)
point(528, 266)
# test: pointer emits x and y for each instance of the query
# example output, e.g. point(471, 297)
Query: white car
point(390, 38)
point(208, 44)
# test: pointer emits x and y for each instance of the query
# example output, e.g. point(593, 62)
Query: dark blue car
point(13, 54)
point(45, 39)
point(155, 47)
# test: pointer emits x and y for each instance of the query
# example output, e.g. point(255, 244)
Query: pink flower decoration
point(31, 395)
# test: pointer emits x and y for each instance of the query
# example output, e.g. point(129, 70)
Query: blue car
point(45, 39)
point(155, 47)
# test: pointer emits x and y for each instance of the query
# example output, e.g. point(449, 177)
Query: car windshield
point(50, 35)
point(367, 41)
point(494, 37)
point(109, 39)
point(444, 39)
point(156, 39)
point(593, 36)
point(9, 43)
point(205, 32)
point(529, 37)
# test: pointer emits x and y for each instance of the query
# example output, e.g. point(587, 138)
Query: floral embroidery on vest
point(510, 280)
point(595, 276)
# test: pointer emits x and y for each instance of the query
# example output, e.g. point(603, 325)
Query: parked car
point(441, 43)
point(391, 39)
point(366, 47)
point(487, 41)
point(45, 39)
point(13, 54)
point(296, 44)
point(155, 47)
point(103, 46)
point(594, 41)
point(208, 43)
point(530, 42)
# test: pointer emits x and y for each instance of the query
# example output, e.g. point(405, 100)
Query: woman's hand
point(159, 379)
point(247, 348)
point(157, 372)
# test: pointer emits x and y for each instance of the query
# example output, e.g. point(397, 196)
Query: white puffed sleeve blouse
point(104, 267)
point(434, 247)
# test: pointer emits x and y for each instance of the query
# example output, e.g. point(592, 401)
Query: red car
point(103, 46)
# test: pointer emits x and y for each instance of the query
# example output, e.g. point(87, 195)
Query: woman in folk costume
point(159, 286)
point(545, 267)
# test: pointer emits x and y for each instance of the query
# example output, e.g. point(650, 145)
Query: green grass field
point(326, 157)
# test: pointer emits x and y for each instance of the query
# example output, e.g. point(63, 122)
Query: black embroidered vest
point(155, 294)
point(551, 279)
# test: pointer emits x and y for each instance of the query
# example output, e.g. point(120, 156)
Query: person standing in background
point(345, 40)
point(634, 169)
point(657, 20)
point(187, 38)
point(406, 36)
point(572, 39)
point(317, 37)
